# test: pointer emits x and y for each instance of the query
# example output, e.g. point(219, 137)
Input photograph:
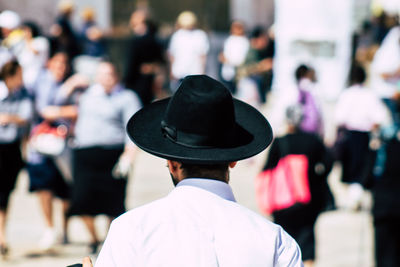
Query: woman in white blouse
point(15, 113)
point(358, 112)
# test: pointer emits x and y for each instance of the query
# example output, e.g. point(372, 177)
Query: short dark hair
point(211, 171)
point(357, 74)
point(301, 72)
point(257, 32)
point(33, 27)
point(9, 69)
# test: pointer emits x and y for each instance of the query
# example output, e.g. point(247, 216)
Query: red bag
point(283, 186)
point(48, 139)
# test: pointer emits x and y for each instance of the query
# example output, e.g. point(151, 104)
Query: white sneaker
point(48, 239)
point(354, 196)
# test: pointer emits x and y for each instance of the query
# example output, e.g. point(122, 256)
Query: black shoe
point(93, 247)
point(65, 240)
point(3, 251)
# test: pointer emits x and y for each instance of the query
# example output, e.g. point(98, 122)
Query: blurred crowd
point(64, 105)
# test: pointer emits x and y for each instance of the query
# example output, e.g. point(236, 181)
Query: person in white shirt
point(33, 54)
point(202, 132)
point(358, 112)
point(233, 54)
point(385, 71)
point(188, 48)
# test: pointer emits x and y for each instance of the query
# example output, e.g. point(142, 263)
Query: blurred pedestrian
point(358, 113)
point(145, 59)
point(15, 114)
point(62, 34)
point(202, 132)
point(259, 61)
point(103, 153)
point(93, 44)
point(10, 35)
point(33, 54)
point(312, 115)
point(233, 54)
point(299, 219)
point(385, 188)
point(385, 72)
point(188, 48)
point(53, 107)
point(91, 35)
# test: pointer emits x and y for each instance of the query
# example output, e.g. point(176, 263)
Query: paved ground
point(344, 238)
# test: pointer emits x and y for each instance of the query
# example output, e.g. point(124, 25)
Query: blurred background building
point(114, 14)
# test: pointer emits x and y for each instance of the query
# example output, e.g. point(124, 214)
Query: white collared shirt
point(103, 117)
point(197, 224)
point(386, 60)
point(188, 48)
point(359, 109)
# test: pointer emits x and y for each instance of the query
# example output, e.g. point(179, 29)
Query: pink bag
point(283, 186)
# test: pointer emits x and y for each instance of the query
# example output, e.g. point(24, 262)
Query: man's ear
point(173, 166)
point(232, 164)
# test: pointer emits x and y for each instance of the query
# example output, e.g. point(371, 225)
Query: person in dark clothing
point(91, 36)
point(259, 60)
point(358, 114)
point(299, 219)
point(385, 188)
point(15, 114)
point(62, 34)
point(145, 58)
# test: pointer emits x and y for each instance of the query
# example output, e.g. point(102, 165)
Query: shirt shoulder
point(139, 216)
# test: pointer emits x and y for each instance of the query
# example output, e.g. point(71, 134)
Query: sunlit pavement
point(343, 238)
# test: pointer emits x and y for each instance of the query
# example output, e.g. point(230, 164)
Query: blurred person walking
point(145, 60)
point(385, 72)
point(54, 108)
point(10, 35)
point(62, 34)
point(385, 187)
point(314, 161)
point(258, 64)
point(33, 54)
point(233, 54)
point(91, 36)
point(188, 48)
point(15, 115)
point(358, 113)
point(312, 116)
point(103, 153)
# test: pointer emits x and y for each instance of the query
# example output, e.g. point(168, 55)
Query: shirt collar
point(3, 91)
point(99, 90)
point(219, 188)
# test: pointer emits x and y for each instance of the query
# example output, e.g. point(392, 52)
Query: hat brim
point(144, 129)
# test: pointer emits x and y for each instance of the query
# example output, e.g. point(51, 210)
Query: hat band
point(190, 140)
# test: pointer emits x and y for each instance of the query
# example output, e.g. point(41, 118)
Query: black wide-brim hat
point(200, 124)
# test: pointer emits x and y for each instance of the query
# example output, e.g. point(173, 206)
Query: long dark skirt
point(10, 165)
point(95, 190)
point(299, 221)
point(355, 156)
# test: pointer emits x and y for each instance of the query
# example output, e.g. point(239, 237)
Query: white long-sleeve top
point(386, 60)
point(188, 49)
point(197, 224)
point(359, 109)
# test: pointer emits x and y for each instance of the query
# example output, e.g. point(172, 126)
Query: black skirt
point(95, 190)
point(10, 165)
point(355, 156)
point(298, 221)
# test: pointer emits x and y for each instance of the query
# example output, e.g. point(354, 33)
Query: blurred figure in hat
point(188, 48)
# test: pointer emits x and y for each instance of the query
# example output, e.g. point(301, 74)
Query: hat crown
point(201, 113)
